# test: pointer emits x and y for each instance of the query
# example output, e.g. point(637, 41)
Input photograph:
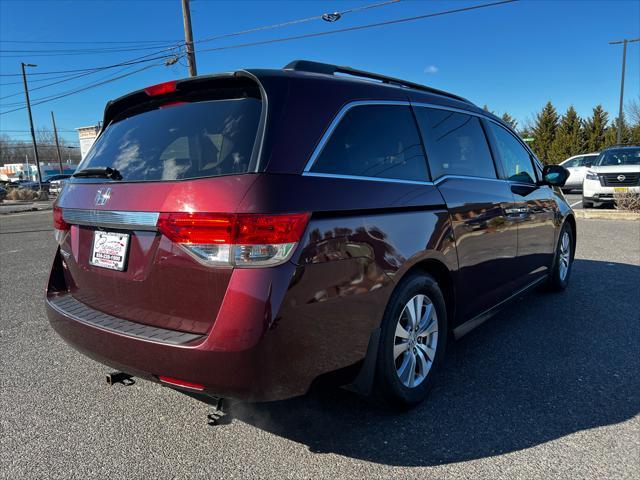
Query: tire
point(415, 384)
point(563, 260)
point(586, 203)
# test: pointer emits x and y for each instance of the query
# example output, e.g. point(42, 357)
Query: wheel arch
point(444, 278)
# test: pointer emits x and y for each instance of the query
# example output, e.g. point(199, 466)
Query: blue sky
point(512, 57)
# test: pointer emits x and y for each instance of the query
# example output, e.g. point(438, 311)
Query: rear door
point(481, 206)
point(534, 203)
point(177, 155)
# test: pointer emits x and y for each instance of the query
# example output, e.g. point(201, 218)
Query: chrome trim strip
point(343, 111)
point(467, 177)
point(111, 218)
point(338, 118)
point(370, 179)
point(453, 109)
point(394, 180)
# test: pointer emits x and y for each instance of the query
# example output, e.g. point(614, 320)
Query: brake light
point(161, 88)
point(61, 228)
point(243, 240)
point(58, 220)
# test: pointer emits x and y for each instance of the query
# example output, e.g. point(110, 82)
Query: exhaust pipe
point(119, 377)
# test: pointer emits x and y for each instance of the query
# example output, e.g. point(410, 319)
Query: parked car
point(616, 169)
point(577, 166)
point(3, 194)
point(56, 182)
point(245, 248)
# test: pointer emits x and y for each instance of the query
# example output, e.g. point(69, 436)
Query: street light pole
point(624, 42)
point(55, 133)
point(33, 134)
point(188, 38)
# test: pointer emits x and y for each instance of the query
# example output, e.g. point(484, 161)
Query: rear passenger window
point(516, 161)
point(379, 141)
point(455, 143)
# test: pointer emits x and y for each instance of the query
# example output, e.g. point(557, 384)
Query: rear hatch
point(169, 154)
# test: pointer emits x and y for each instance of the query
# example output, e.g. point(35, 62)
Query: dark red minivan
point(243, 234)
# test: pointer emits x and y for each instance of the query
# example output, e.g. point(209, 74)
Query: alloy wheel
point(565, 255)
point(416, 339)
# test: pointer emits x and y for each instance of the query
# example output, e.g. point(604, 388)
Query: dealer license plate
point(110, 250)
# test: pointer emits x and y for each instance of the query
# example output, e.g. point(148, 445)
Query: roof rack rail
point(329, 69)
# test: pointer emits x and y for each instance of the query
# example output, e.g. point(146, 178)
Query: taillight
point(242, 240)
point(61, 228)
point(161, 88)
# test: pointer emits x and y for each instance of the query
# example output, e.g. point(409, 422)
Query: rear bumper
point(271, 339)
point(226, 374)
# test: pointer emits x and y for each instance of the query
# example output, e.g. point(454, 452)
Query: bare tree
point(633, 111)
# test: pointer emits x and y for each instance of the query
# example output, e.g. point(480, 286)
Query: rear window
point(378, 141)
point(192, 140)
point(455, 143)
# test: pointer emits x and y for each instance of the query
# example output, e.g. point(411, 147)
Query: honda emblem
point(102, 196)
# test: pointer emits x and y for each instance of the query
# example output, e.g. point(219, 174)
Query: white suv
point(616, 169)
point(577, 166)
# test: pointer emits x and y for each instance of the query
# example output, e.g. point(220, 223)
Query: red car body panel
point(268, 333)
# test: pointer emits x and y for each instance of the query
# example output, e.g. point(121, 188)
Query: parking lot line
point(576, 203)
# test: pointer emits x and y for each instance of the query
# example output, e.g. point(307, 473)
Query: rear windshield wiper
point(103, 172)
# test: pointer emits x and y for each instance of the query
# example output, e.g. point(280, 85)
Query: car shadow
point(547, 366)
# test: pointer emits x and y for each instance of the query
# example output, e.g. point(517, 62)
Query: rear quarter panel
point(362, 238)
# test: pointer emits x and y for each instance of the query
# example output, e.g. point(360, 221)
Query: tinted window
point(588, 160)
point(193, 140)
point(455, 143)
point(629, 156)
point(375, 141)
point(516, 161)
point(572, 163)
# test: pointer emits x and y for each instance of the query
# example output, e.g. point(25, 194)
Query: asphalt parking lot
point(549, 388)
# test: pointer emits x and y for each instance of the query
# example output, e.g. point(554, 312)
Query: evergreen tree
point(510, 120)
point(611, 133)
point(544, 131)
point(634, 134)
point(569, 138)
point(595, 129)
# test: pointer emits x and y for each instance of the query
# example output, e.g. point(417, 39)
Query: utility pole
point(55, 133)
point(33, 134)
point(188, 38)
point(624, 42)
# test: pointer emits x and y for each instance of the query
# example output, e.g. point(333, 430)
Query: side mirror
point(554, 175)
point(588, 164)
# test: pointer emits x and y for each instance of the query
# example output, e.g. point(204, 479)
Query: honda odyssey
point(243, 234)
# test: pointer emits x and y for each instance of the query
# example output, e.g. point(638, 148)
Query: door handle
point(516, 212)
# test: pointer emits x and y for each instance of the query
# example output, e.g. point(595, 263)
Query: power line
point(359, 27)
point(75, 77)
point(75, 91)
point(178, 44)
point(145, 58)
point(296, 22)
point(85, 42)
point(66, 52)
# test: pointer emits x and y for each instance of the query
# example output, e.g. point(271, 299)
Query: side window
point(516, 161)
point(375, 141)
point(455, 143)
point(587, 161)
point(573, 163)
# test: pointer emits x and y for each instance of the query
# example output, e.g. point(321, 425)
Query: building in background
point(87, 135)
point(28, 171)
